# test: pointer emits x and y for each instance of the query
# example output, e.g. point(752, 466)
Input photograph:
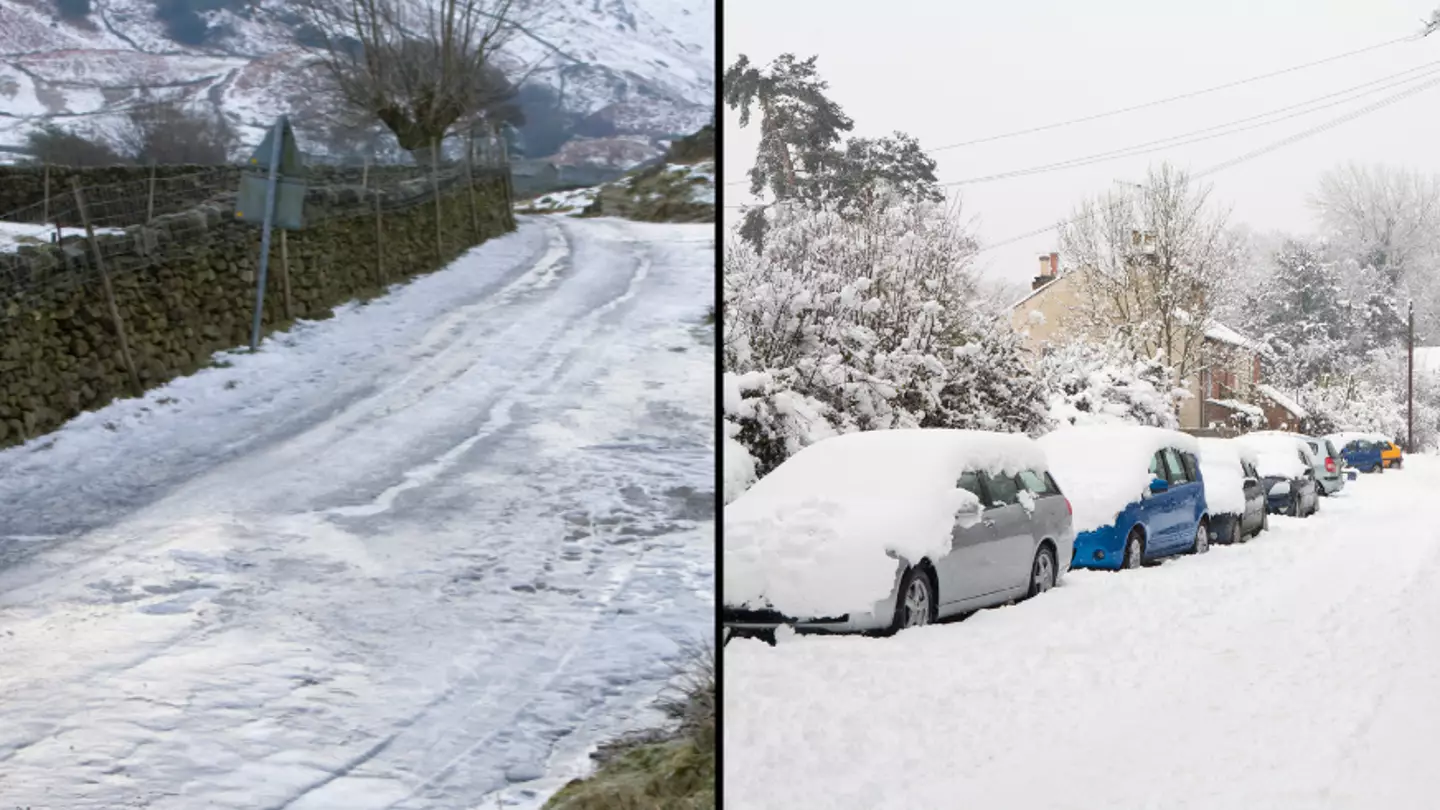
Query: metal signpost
point(277, 199)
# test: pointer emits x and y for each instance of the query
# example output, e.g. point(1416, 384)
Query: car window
point(1250, 471)
point(1054, 487)
point(1177, 470)
point(1035, 483)
point(1330, 449)
point(1191, 466)
point(970, 482)
point(1002, 490)
point(1157, 467)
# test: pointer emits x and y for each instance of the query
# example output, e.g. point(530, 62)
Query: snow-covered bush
point(866, 321)
point(1099, 385)
point(766, 422)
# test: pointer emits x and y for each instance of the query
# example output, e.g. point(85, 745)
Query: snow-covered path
point(1301, 670)
point(397, 559)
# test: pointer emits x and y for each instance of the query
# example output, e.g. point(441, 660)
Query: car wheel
point(1042, 572)
point(1202, 539)
point(1134, 550)
point(915, 601)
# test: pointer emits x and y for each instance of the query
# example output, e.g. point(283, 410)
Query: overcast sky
point(955, 70)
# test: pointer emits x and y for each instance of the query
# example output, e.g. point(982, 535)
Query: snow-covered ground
point(414, 556)
point(15, 234)
point(1299, 670)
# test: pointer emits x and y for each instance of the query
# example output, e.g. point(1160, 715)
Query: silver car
point(1324, 458)
point(1014, 544)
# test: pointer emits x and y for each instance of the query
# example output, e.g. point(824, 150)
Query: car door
point(1187, 494)
point(1254, 495)
point(961, 573)
point(1158, 509)
point(1015, 542)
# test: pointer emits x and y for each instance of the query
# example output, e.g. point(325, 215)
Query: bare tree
point(1381, 215)
point(1153, 265)
point(420, 68)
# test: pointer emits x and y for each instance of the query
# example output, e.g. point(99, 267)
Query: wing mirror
point(1158, 485)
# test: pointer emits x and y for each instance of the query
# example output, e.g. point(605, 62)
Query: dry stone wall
point(185, 288)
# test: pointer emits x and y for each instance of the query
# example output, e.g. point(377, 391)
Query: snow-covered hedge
point(1104, 468)
point(1101, 385)
point(816, 535)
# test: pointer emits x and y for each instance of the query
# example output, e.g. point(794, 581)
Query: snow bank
point(1277, 454)
point(1224, 476)
point(1104, 468)
point(812, 538)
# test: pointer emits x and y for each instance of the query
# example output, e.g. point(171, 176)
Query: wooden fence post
point(109, 289)
point(150, 206)
point(45, 213)
point(435, 184)
point(470, 189)
point(285, 273)
point(379, 243)
point(365, 174)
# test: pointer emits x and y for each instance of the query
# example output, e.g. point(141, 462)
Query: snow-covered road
point(403, 558)
point(1301, 670)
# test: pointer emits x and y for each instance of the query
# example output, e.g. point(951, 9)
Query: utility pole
point(1410, 383)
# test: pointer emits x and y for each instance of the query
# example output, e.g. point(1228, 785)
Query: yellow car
point(1390, 455)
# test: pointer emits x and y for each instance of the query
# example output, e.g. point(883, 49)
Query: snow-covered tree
point(871, 320)
point(799, 126)
point(1089, 384)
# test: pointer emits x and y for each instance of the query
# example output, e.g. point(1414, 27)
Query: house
point(1224, 394)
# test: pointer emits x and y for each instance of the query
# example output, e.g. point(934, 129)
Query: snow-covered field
point(1299, 670)
point(414, 556)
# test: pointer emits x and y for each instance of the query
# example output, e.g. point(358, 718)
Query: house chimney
point(1049, 269)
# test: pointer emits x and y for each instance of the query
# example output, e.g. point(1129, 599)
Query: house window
point(1257, 370)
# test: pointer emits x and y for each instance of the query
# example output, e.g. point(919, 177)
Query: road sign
point(278, 151)
point(250, 205)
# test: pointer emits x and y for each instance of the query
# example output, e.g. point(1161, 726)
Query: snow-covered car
point(1233, 493)
point(1361, 451)
point(1287, 472)
point(877, 531)
point(1325, 459)
point(1138, 493)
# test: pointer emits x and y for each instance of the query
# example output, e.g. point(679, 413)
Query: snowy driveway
point(402, 558)
point(1301, 670)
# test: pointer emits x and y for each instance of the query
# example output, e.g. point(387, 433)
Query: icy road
point(1298, 671)
point(408, 557)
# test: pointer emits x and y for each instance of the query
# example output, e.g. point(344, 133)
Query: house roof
point(1283, 401)
point(1220, 332)
point(1040, 289)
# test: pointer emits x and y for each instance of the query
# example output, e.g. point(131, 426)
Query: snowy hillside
point(637, 70)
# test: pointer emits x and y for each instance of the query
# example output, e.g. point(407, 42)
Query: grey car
point(1015, 544)
point(1327, 463)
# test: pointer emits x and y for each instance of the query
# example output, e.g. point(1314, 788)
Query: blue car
point(1167, 517)
point(1362, 454)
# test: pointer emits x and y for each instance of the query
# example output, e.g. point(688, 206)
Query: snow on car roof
point(816, 536)
point(1104, 468)
point(1277, 454)
point(1223, 476)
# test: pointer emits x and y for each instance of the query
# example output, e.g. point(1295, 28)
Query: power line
point(1181, 97)
point(1229, 128)
point(1299, 136)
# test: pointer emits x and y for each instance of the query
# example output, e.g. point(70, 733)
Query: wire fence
point(154, 215)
